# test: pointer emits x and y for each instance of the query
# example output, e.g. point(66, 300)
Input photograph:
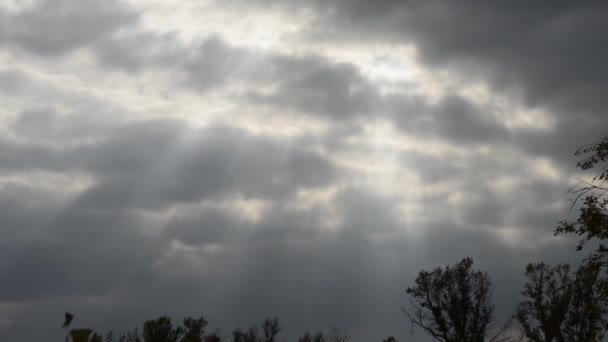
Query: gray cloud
point(318, 87)
point(155, 163)
point(120, 218)
point(309, 280)
point(452, 118)
point(549, 52)
point(51, 28)
point(516, 43)
point(140, 50)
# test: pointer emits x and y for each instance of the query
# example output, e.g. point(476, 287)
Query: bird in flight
point(68, 319)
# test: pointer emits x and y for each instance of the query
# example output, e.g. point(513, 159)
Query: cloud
point(319, 87)
point(548, 54)
point(155, 163)
point(152, 166)
point(52, 28)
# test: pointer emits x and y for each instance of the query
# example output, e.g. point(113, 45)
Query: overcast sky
point(240, 159)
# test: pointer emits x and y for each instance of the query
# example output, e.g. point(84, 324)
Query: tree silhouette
point(194, 329)
point(271, 329)
point(308, 337)
point(561, 305)
point(161, 330)
point(587, 318)
point(453, 304)
point(550, 291)
point(215, 337)
point(80, 335)
point(249, 335)
point(338, 335)
point(592, 222)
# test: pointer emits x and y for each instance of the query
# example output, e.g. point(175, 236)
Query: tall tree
point(588, 315)
point(549, 292)
point(453, 304)
point(562, 305)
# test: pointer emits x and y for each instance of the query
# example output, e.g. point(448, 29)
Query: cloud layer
point(296, 158)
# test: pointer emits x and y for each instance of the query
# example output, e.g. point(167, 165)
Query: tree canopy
point(452, 304)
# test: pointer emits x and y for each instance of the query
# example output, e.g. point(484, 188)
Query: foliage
point(592, 223)
point(194, 329)
point(161, 330)
point(453, 304)
point(337, 335)
point(270, 330)
point(308, 337)
point(334, 335)
point(562, 305)
point(80, 335)
point(250, 335)
point(550, 291)
point(215, 337)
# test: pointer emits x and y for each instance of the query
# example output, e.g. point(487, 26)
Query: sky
point(240, 159)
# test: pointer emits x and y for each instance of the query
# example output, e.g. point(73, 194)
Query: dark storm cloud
point(50, 28)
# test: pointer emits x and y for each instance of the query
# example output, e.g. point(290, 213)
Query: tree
point(592, 223)
point(453, 304)
point(215, 337)
point(249, 335)
point(161, 330)
point(80, 335)
point(194, 329)
point(562, 305)
point(308, 337)
point(549, 291)
point(588, 315)
point(271, 329)
point(390, 339)
point(338, 335)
